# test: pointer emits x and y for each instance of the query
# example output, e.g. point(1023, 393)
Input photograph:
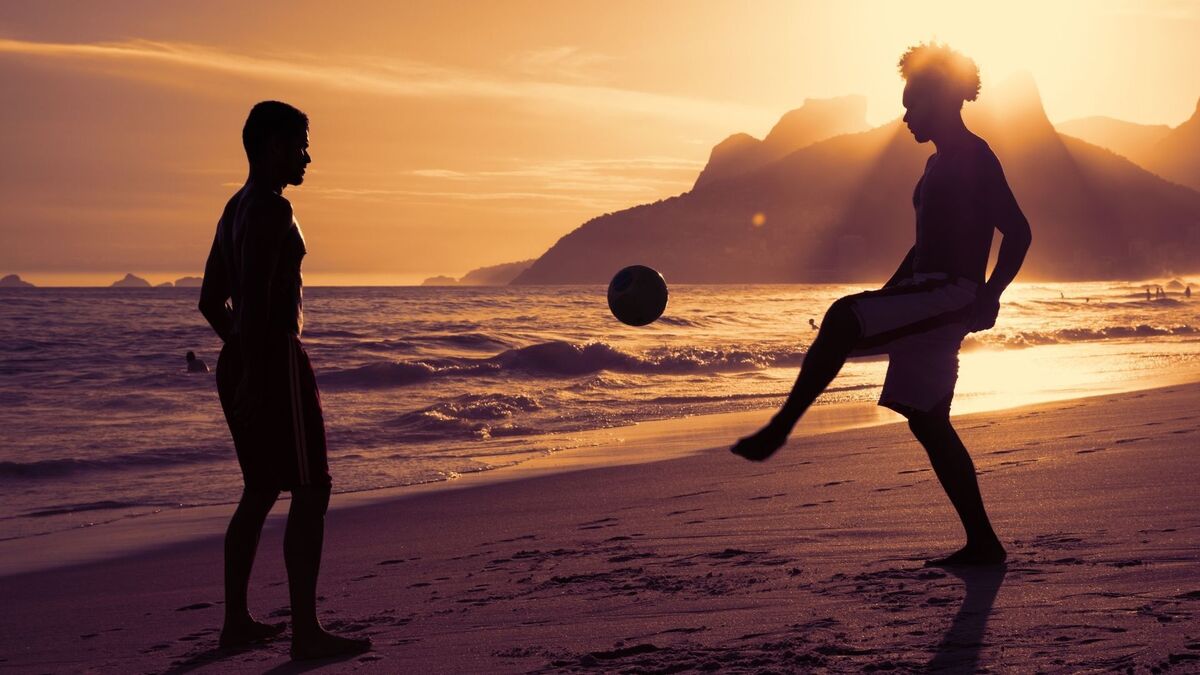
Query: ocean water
point(100, 420)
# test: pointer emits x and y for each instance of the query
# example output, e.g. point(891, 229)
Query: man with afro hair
point(936, 297)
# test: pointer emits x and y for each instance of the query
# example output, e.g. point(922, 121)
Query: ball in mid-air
point(637, 295)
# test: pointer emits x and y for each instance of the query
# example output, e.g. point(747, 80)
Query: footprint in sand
point(691, 494)
point(599, 524)
point(156, 648)
point(524, 537)
point(198, 605)
point(1018, 462)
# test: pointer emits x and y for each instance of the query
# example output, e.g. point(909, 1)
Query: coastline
point(810, 560)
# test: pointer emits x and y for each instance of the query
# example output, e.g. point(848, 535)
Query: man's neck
point(953, 135)
point(265, 181)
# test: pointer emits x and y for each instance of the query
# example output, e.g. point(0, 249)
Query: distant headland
point(14, 281)
point(493, 275)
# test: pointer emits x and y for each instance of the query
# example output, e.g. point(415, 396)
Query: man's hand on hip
point(985, 311)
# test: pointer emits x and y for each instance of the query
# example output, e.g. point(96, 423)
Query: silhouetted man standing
point(936, 296)
point(266, 383)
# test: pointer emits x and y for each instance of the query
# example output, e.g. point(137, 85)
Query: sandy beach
point(811, 561)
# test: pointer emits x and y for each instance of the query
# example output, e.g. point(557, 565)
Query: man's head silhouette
point(939, 80)
point(276, 140)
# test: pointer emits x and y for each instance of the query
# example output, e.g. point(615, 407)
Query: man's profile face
point(920, 108)
point(295, 158)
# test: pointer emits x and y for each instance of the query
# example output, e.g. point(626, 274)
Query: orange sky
point(445, 139)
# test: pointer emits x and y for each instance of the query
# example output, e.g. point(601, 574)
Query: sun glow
point(994, 379)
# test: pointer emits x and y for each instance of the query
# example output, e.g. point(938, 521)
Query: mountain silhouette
point(1128, 139)
point(841, 210)
point(816, 120)
point(1176, 156)
point(1173, 153)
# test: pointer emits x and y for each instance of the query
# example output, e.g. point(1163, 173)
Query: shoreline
point(810, 561)
point(639, 443)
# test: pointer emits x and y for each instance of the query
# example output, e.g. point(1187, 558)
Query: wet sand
point(810, 561)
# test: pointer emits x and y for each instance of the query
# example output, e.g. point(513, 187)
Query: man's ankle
point(984, 541)
point(234, 618)
point(304, 629)
point(783, 423)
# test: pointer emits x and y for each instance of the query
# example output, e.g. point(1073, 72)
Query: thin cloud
point(569, 63)
point(573, 168)
point(390, 77)
point(604, 183)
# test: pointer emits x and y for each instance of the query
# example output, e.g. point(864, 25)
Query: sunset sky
point(450, 136)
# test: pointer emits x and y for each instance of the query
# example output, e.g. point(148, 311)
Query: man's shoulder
point(977, 158)
point(268, 205)
point(266, 213)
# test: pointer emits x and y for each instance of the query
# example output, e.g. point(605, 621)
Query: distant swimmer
point(1187, 292)
point(196, 365)
point(1148, 293)
point(266, 383)
point(937, 295)
point(812, 323)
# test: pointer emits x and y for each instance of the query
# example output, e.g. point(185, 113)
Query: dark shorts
point(920, 324)
point(284, 446)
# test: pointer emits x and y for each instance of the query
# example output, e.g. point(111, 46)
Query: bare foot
point(975, 556)
point(247, 631)
point(325, 645)
point(762, 444)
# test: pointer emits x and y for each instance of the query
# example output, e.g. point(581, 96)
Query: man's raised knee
point(841, 317)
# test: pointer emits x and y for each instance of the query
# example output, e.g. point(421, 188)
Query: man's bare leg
point(241, 544)
point(840, 332)
point(956, 472)
point(302, 543)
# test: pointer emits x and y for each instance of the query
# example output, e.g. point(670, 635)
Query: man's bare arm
point(1008, 218)
point(213, 294)
point(267, 221)
point(905, 270)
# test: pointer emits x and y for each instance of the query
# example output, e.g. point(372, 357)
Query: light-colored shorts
point(920, 324)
